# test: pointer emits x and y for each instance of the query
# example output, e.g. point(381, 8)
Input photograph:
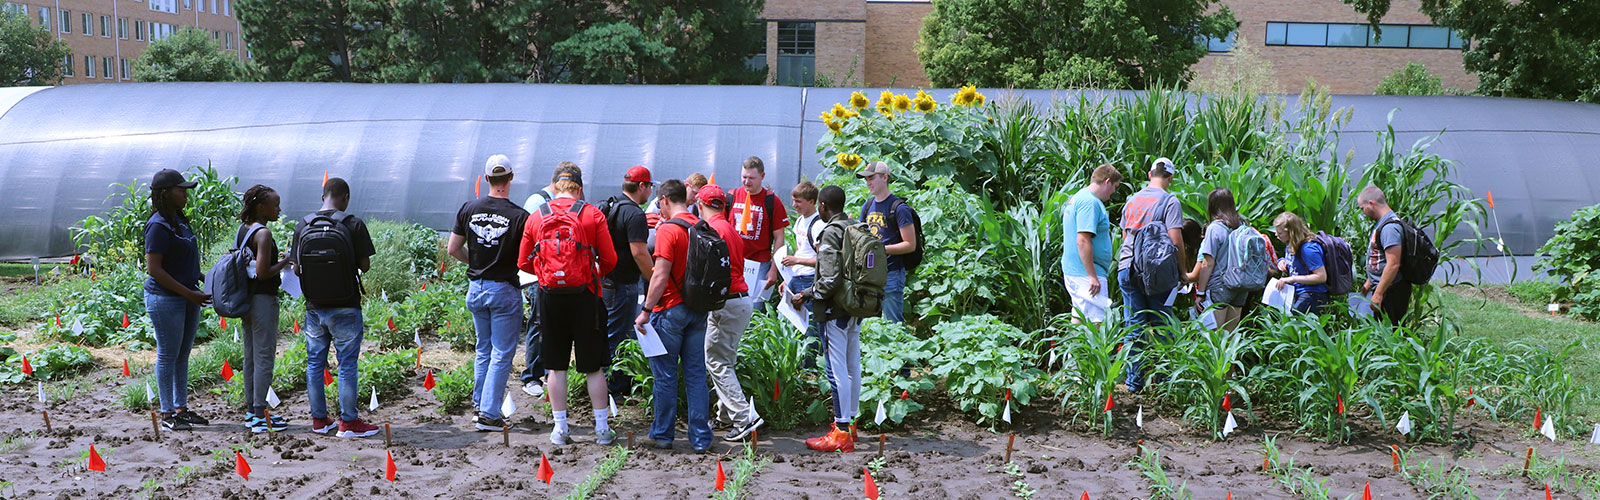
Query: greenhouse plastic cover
point(414, 151)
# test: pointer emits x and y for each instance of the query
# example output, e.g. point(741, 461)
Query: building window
point(122, 28)
point(797, 54)
point(44, 18)
point(1224, 44)
point(88, 23)
point(123, 65)
point(227, 40)
point(1361, 35)
point(227, 8)
point(105, 26)
point(14, 9)
point(105, 66)
point(66, 21)
point(88, 66)
point(138, 30)
point(214, 6)
point(187, 6)
point(66, 69)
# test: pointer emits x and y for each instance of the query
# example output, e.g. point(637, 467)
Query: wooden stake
point(1528, 462)
point(1009, 442)
point(268, 413)
point(46, 420)
point(386, 438)
point(505, 432)
point(882, 438)
point(155, 424)
point(754, 438)
point(630, 438)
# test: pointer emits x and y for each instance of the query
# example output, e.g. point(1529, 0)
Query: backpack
point(866, 270)
point(1155, 256)
point(707, 270)
point(228, 282)
point(1246, 266)
point(1418, 257)
point(326, 257)
point(1339, 260)
point(565, 264)
point(909, 261)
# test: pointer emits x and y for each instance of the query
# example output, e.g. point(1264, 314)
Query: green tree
point(1541, 50)
point(311, 40)
point(615, 52)
point(1069, 43)
point(1411, 79)
point(190, 55)
point(29, 55)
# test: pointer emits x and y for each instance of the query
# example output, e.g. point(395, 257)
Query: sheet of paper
point(1209, 317)
point(797, 317)
point(1173, 297)
point(650, 342)
point(524, 279)
point(777, 260)
point(1360, 305)
point(291, 281)
point(1280, 299)
point(1103, 301)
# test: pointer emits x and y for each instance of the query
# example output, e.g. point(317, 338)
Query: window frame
point(1452, 40)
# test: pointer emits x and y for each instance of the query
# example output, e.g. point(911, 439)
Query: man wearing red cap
point(759, 216)
point(724, 326)
point(629, 234)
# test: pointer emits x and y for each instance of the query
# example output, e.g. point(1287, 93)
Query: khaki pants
point(723, 329)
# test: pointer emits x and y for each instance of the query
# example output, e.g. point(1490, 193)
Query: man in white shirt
point(804, 261)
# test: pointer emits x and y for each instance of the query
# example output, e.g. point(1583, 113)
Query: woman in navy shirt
point(172, 296)
point(1303, 263)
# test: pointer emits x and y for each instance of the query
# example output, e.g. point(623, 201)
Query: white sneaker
point(558, 437)
point(534, 389)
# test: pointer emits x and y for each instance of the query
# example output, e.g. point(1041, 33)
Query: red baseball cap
point(637, 174)
point(712, 195)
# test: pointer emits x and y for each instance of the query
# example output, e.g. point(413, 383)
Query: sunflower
point(849, 161)
point(967, 96)
point(886, 99)
point(886, 110)
point(840, 112)
point(925, 103)
point(834, 126)
point(977, 99)
point(858, 100)
point(902, 103)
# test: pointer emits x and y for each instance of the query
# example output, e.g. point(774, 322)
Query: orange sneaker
point(835, 440)
point(854, 438)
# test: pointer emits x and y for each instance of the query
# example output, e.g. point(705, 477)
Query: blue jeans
point(531, 352)
point(894, 297)
point(496, 309)
point(343, 328)
point(1143, 311)
point(812, 330)
point(175, 320)
point(622, 307)
point(683, 333)
point(1309, 302)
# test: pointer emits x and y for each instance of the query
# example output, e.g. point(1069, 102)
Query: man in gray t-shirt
point(1389, 293)
point(1143, 207)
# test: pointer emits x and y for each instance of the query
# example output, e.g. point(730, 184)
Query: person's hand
point(1094, 287)
point(1377, 300)
point(639, 322)
point(797, 300)
point(772, 277)
point(1366, 286)
point(1283, 266)
point(197, 297)
point(1282, 282)
point(788, 260)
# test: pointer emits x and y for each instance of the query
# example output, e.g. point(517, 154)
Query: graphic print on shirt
point(876, 222)
point(489, 227)
point(1135, 210)
point(752, 221)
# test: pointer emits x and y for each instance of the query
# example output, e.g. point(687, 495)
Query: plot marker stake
point(46, 420)
point(505, 432)
point(1527, 462)
point(155, 425)
point(882, 438)
point(1009, 442)
point(754, 438)
point(630, 438)
point(386, 438)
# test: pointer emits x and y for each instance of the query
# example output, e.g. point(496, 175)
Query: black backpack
point(326, 260)
point(1418, 257)
point(909, 261)
point(1340, 262)
point(609, 207)
point(708, 272)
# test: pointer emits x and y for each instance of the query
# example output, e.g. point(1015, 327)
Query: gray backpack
point(1246, 264)
point(1155, 257)
point(228, 282)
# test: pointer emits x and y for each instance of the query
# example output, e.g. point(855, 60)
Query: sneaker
point(854, 438)
point(558, 437)
point(486, 424)
point(740, 431)
point(356, 429)
point(534, 389)
point(172, 422)
point(277, 423)
point(703, 449)
point(256, 424)
point(322, 425)
point(605, 437)
point(834, 440)
point(191, 418)
point(661, 445)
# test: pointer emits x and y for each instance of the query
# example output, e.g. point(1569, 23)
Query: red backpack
point(565, 263)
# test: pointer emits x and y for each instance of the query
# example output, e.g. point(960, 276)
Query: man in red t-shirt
point(724, 326)
point(681, 330)
point(759, 217)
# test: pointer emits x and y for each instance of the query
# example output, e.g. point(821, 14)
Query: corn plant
point(1091, 360)
point(1332, 370)
point(603, 472)
point(1534, 377)
point(1202, 367)
point(772, 372)
point(1429, 380)
point(1161, 487)
point(886, 349)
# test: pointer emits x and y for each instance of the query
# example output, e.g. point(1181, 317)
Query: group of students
point(1231, 263)
point(688, 267)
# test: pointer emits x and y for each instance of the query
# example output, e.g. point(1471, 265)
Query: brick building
point(107, 35)
point(872, 43)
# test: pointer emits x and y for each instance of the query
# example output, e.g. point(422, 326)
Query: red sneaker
point(356, 429)
point(815, 442)
point(835, 440)
point(322, 425)
point(854, 438)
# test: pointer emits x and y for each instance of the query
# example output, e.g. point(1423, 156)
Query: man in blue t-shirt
point(1086, 236)
point(895, 223)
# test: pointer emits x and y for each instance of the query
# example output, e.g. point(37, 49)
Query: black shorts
point(570, 323)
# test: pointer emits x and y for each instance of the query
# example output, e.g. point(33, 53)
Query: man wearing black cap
point(629, 234)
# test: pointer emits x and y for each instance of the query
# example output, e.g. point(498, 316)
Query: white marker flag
point(1229, 426)
point(1595, 439)
point(385, 296)
point(41, 392)
point(272, 397)
point(236, 334)
point(373, 404)
point(613, 407)
point(1549, 428)
point(416, 337)
point(149, 395)
point(1139, 419)
point(1405, 424)
point(507, 406)
point(1007, 415)
point(77, 328)
point(881, 414)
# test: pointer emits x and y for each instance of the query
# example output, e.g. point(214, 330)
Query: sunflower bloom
point(835, 127)
point(902, 103)
point(858, 100)
point(840, 112)
point(886, 99)
point(849, 161)
point(978, 99)
point(926, 104)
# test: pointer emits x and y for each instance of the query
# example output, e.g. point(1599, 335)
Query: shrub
point(1411, 79)
point(980, 359)
point(53, 363)
point(1536, 292)
point(391, 373)
point(454, 389)
point(1573, 256)
point(118, 237)
point(289, 372)
point(205, 365)
point(407, 254)
point(886, 349)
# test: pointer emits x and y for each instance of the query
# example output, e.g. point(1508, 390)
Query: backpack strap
point(809, 237)
point(250, 233)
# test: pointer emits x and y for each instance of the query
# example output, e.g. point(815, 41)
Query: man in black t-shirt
point(486, 237)
point(629, 234)
point(337, 322)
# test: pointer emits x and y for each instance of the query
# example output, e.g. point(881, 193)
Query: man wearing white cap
point(486, 237)
point(1153, 204)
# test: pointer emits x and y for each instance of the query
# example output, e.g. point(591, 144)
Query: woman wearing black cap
point(172, 296)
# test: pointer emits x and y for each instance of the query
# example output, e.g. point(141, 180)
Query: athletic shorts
point(1093, 308)
point(568, 324)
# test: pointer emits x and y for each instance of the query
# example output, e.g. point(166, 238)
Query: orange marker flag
point(75, 258)
point(324, 178)
point(240, 466)
point(227, 371)
point(871, 486)
point(224, 323)
point(1366, 491)
point(1394, 451)
point(1538, 416)
point(327, 377)
point(720, 477)
point(427, 384)
point(1109, 404)
point(58, 321)
point(91, 275)
point(1230, 494)
point(1470, 399)
point(419, 357)
point(1340, 399)
point(905, 394)
point(391, 323)
point(1491, 199)
point(1547, 492)
point(713, 178)
point(1085, 496)
point(389, 469)
point(545, 472)
point(477, 187)
point(125, 371)
point(777, 388)
point(297, 327)
point(125, 320)
point(27, 368)
point(1226, 405)
point(95, 462)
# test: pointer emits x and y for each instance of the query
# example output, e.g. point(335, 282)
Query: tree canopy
point(189, 55)
point(1070, 43)
point(1542, 50)
point(29, 55)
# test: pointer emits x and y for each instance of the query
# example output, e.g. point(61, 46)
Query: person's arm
point(525, 249)
point(1176, 233)
point(908, 241)
point(652, 295)
point(263, 243)
point(1391, 272)
point(457, 247)
point(152, 263)
point(1317, 277)
point(641, 257)
point(604, 245)
point(772, 271)
point(1086, 254)
point(829, 269)
point(1201, 276)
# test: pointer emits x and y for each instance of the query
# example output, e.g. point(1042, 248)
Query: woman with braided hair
point(260, 335)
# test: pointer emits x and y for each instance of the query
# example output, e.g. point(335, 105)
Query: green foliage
point(1432, 378)
point(1411, 79)
point(1313, 366)
point(615, 52)
point(1149, 464)
point(772, 373)
point(743, 470)
point(53, 363)
point(1418, 185)
point(190, 55)
point(947, 141)
point(603, 472)
point(1095, 43)
point(630, 362)
point(118, 236)
point(289, 371)
point(980, 359)
point(133, 397)
point(408, 253)
point(887, 348)
point(1516, 48)
point(1091, 360)
point(33, 54)
point(1201, 366)
point(1572, 256)
point(1536, 292)
point(454, 389)
point(391, 373)
point(205, 365)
